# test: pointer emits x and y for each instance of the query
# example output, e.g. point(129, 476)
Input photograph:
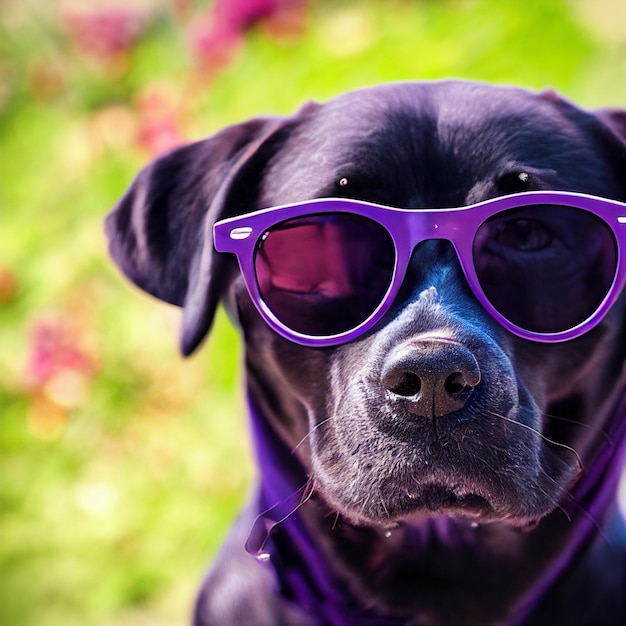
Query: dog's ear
point(606, 125)
point(160, 232)
point(615, 121)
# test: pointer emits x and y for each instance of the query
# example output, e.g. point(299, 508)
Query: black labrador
point(426, 463)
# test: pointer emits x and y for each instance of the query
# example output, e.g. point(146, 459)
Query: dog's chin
point(434, 499)
point(463, 509)
point(441, 502)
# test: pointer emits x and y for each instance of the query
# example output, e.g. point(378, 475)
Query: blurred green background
point(122, 465)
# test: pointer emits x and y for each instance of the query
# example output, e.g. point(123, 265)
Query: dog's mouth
point(448, 508)
point(440, 499)
point(466, 504)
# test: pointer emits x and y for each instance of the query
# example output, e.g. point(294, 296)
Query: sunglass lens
point(545, 268)
point(324, 275)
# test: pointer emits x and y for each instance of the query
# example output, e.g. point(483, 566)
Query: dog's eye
point(526, 235)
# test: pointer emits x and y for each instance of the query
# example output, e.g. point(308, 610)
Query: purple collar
point(592, 496)
point(279, 536)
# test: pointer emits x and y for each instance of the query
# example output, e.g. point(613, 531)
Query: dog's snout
point(434, 377)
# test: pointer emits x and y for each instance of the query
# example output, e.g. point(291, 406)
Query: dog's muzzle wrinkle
point(432, 377)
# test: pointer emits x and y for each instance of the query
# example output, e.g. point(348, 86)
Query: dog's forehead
point(438, 103)
point(455, 130)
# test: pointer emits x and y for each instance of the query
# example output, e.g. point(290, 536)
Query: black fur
point(486, 488)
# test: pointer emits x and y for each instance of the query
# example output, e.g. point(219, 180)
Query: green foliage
point(121, 465)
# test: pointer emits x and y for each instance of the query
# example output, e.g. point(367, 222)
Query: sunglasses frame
point(407, 228)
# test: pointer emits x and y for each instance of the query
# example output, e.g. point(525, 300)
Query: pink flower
point(214, 44)
point(105, 32)
point(55, 348)
point(216, 39)
point(159, 120)
point(241, 14)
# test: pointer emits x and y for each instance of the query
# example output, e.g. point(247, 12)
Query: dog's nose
point(434, 377)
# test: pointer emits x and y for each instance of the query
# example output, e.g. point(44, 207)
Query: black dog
point(438, 470)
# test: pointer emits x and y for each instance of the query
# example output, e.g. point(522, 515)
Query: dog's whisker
point(311, 431)
point(581, 465)
point(493, 471)
point(563, 510)
point(601, 431)
point(570, 499)
point(568, 496)
point(596, 524)
point(383, 504)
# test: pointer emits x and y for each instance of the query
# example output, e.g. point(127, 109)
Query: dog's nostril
point(407, 384)
point(456, 383)
point(432, 377)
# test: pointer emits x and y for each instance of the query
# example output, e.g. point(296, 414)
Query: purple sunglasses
point(545, 264)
